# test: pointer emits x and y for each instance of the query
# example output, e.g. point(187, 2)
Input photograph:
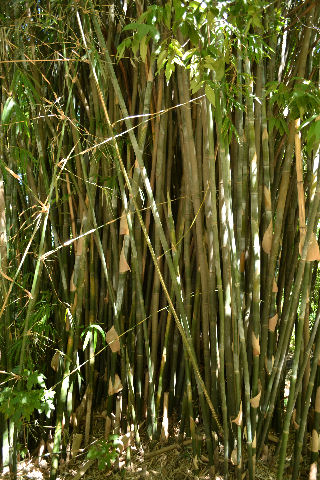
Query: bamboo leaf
point(144, 48)
point(210, 93)
point(162, 58)
point(86, 339)
point(7, 110)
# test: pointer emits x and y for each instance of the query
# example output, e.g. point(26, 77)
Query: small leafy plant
point(106, 452)
point(20, 403)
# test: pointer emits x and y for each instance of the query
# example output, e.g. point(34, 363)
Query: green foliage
point(91, 333)
point(41, 334)
point(19, 405)
point(106, 452)
point(313, 132)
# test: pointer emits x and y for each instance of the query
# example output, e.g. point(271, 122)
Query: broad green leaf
point(219, 69)
point(142, 29)
point(179, 10)
point(95, 336)
point(162, 58)
point(86, 340)
point(167, 15)
point(7, 110)
point(144, 48)
point(210, 94)
point(169, 69)
point(209, 62)
point(195, 84)
point(135, 45)
point(123, 45)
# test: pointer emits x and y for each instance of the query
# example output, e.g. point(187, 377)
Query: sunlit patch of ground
point(159, 460)
point(29, 470)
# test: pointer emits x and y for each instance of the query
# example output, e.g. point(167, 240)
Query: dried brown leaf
point(265, 453)
point(273, 322)
point(124, 229)
point(267, 239)
point(274, 286)
point(123, 265)
point(315, 441)
point(76, 444)
point(238, 419)
point(255, 345)
point(116, 386)
point(234, 457)
point(113, 339)
point(255, 401)
point(313, 249)
point(265, 135)
point(55, 361)
point(254, 442)
point(313, 474)
point(16, 176)
point(267, 198)
point(72, 285)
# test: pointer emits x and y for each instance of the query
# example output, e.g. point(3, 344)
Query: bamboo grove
point(159, 202)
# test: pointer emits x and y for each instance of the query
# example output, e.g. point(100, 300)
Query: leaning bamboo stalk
point(160, 163)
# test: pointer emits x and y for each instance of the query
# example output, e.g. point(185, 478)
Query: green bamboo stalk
point(255, 242)
point(213, 188)
point(316, 426)
point(298, 343)
point(235, 272)
point(301, 434)
point(193, 175)
point(268, 405)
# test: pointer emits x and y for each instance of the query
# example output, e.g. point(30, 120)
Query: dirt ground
point(170, 461)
